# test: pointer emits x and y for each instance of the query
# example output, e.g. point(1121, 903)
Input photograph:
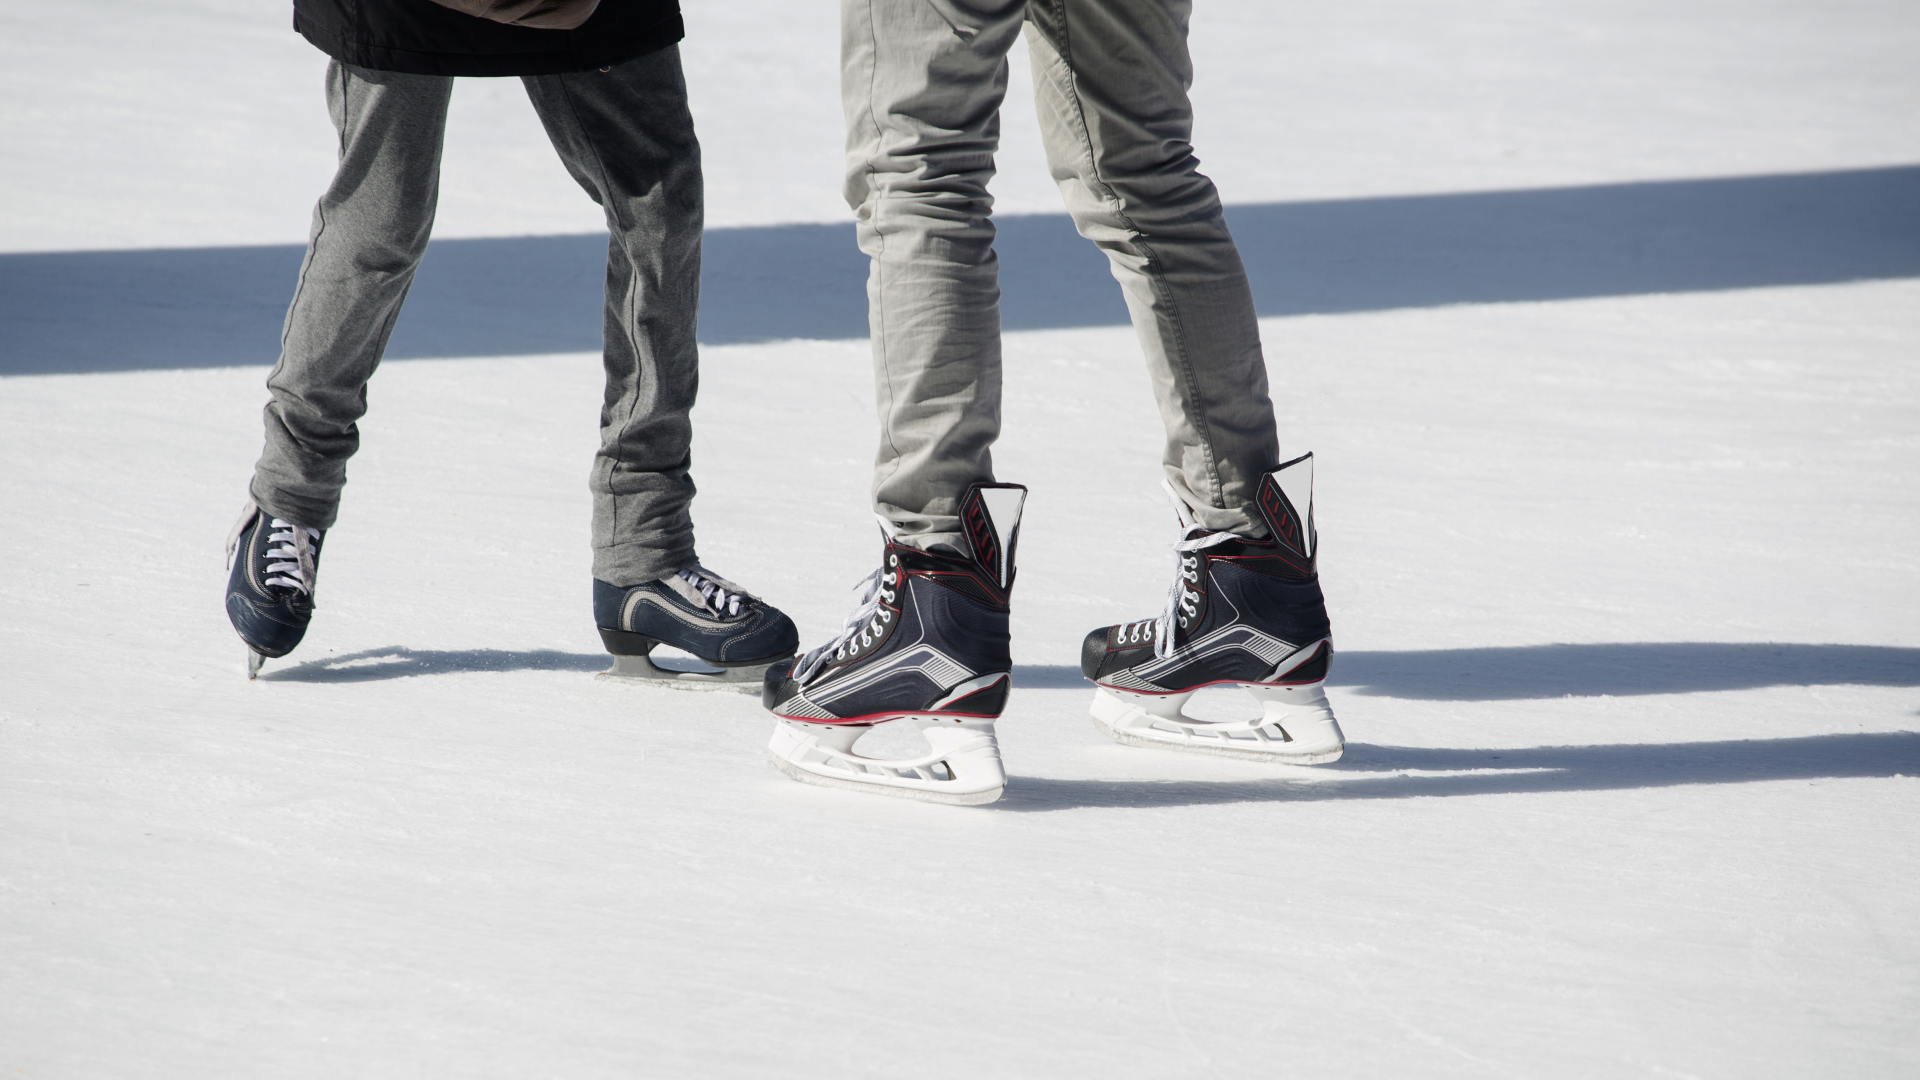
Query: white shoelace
point(723, 597)
point(289, 551)
point(866, 622)
point(290, 555)
point(1182, 597)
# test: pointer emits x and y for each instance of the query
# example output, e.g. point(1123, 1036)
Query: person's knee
point(1175, 202)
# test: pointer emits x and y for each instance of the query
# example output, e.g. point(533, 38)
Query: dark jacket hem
point(582, 55)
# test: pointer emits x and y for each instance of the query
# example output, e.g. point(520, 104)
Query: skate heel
point(1296, 726)
point(626, 642)
point(633, 659)
point(1303, 714)
point(962, 766)
point(745, 678)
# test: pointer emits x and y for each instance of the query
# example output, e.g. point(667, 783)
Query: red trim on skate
point(1319, 660)
point(999, 687)
point(883, 717)
point(1196, 686)
point(1277, 555)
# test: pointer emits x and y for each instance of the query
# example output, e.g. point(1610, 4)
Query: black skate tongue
point(990, 516)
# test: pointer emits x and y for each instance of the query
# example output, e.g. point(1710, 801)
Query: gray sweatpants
point(922, 83)
point(626, 136)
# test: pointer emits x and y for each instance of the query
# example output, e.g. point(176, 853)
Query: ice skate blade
point(967, 753)
point(976, 798)
point(1296, 725)
point(1128, 738)
point(254, 662)
point(642, 669)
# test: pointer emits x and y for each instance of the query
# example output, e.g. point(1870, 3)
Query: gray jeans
point(626, 136)
point(922, 82)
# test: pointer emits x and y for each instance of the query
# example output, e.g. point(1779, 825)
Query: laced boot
point(271, 564)
point(928, 645)
point(733, 634)
point(1241, 611)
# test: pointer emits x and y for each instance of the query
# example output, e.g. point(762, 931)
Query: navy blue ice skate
point(1241, 612)
point(734, 633)
point(928, 644)
point(272, 566)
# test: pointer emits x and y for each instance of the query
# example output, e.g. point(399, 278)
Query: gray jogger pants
point(626, 136)
point(922, 83)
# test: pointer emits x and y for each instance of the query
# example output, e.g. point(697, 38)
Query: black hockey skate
point(736, 635)
point(928, 644)
point(272, 565)
point(1242, 612)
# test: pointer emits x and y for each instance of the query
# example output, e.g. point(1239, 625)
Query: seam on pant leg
point(319, 211)
point(618, 227)
point(366, 113)
point(335, 70)
point(877, 313)
point(1185, 364)
point(386, 328)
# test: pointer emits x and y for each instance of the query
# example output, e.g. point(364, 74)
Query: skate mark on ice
point(1617, 669)
point(82, 311)
point(399, 662)
point(1415, 772)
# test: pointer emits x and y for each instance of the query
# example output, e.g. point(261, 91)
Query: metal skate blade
point(1143, 721)
point(1270, 757)
point(254, 663)
point(642, 669)
point(977, 798)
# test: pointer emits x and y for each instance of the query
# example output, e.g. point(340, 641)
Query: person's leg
point(627, 137)
point(369, 231)
point(922, 82)
point(929, 644)
point(1110, 79)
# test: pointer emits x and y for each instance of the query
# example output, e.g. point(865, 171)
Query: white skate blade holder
point(1296, 726)
point(962, 766)
point(687, 673)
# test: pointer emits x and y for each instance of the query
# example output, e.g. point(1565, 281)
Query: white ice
point(1619, 538)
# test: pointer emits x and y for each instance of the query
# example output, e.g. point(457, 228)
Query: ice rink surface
point(1602, 318)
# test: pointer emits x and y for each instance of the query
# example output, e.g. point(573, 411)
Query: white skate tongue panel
point(1290, 515)
point(990, 516)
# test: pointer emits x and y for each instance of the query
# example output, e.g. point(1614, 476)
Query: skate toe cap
point(1093, 651)
point(1099, 657)
point(775, 636)
point(777, 685)
point(268, 630)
